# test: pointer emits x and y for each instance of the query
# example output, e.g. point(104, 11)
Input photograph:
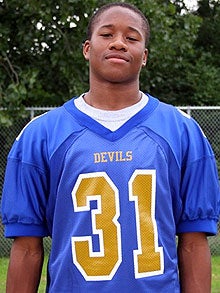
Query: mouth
point(118, 58)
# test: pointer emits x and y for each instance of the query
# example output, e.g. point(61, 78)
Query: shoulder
point(42, 122)
point(179, 131)
point(55, 120)
point(46, 132)
point(172, 121)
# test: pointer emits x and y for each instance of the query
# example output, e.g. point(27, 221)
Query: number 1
point(148, 258)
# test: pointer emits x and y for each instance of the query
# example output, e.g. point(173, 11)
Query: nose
point(118, 43)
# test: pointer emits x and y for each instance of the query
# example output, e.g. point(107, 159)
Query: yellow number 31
point(102, 265)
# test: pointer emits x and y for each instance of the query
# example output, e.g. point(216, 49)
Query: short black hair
point(95, 16)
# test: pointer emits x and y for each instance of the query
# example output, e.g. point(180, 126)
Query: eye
point(133, 39)
point(106, 35)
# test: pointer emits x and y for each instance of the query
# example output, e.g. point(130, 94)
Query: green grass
point(4, 265)
point(216, 274)
point(3, 272)
point(43, 280)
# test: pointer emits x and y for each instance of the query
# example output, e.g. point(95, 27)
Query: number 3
point(148, 258)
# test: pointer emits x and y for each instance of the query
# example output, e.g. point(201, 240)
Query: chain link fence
point(207, 117)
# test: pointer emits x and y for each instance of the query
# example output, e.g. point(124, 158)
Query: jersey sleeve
point(200, 195)
point(199, 188)
point(25, 189)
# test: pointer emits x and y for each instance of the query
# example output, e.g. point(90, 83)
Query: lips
point(116, 56)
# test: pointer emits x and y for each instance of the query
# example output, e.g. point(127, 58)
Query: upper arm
point(191, 239)
point(194, 262)
point(25, 265)
point(194, 244)
point(28, 244)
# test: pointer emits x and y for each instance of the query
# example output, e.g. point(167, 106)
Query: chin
point(119, 78)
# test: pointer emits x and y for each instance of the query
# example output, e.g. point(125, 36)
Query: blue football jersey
point(112, 201)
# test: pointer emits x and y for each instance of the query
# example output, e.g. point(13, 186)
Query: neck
point(112, 96)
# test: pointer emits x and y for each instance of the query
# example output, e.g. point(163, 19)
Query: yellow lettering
point(97, 158)
point(111, 156)
point(121, 157)
point(103, 159)
point(129, 155)
point(104, 263)
point(118, 156)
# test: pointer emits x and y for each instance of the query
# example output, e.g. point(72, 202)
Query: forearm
point(194, 264)
point(24, 269)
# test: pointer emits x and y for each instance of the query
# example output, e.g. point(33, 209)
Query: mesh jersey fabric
point(112, 201)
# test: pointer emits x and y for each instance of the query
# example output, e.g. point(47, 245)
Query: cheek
point(94, 52)
point(141, 57)
point(139, 60)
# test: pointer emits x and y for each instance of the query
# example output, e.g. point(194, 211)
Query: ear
point(145, 55)
point(86, 49)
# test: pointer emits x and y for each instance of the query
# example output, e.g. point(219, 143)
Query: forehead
point(119, 16)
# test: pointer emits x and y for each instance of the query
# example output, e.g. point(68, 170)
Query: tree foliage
point(41, 61)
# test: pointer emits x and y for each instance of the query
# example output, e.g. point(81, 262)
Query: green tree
point(205, 74)
point(171, 51)
point(208, 35)
point(41, 60)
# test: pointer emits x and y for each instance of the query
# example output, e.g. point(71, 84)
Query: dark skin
point(194, 263)
point(25, 266)
point(116, 53)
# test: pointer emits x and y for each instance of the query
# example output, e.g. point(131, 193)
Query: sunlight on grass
point(3, 273)
point(215, 274)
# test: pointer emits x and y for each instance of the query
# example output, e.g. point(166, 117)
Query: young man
point(112, 176)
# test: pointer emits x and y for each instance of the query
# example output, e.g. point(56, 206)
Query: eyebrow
point(110, 26)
